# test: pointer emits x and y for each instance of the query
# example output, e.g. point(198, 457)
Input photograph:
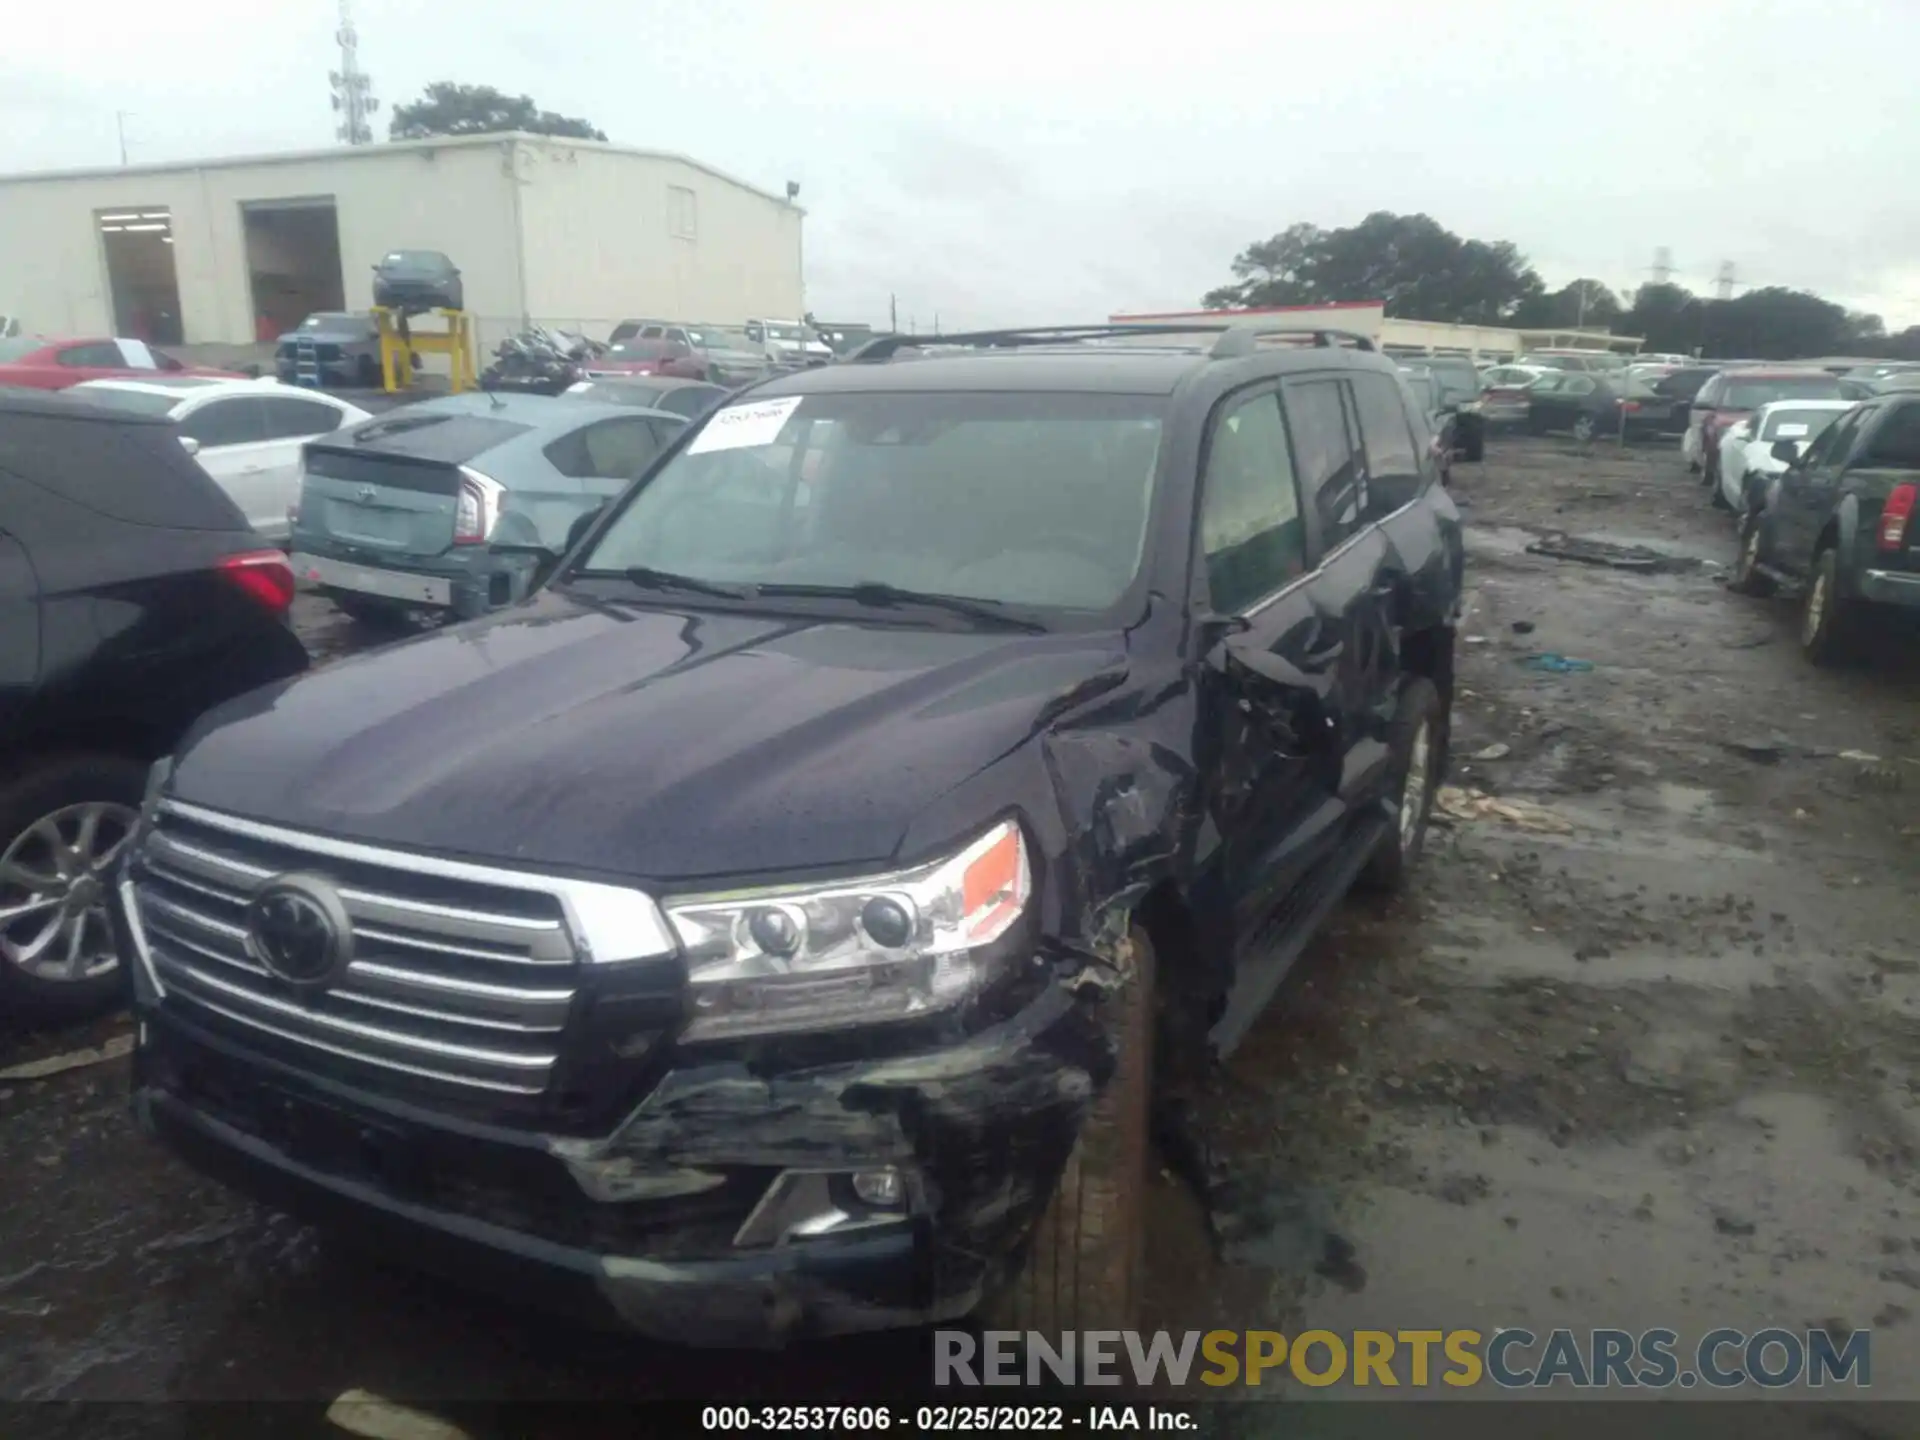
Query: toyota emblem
point(298, 928)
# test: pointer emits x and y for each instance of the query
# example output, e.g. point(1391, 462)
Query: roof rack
point(1235, 341)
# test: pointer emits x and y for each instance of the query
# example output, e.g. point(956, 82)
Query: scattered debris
point(1561, 546)
point(1728, 1224)
point(1750, 641)
point(1493, 752)
point(71, 1060)
point(1460, 804)
point(360, 1412)
point(1523, 627)
point(1552, 664)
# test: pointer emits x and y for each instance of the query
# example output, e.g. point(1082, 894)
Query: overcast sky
point(1053, 160)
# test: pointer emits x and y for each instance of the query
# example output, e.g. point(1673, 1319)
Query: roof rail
point(1235, 340)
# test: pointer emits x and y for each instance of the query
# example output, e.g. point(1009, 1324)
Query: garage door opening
point(138, 244)
point(293, 262)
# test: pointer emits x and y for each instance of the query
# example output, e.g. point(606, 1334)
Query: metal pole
point(120, 121)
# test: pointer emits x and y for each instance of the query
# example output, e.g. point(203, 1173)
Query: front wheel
point(1418, 744)
point(1087, 1256)
point(1748, 578)
point(1584, 429)
point(1826, 624)
point(63, 824)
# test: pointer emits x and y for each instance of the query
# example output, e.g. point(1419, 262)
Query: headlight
point(855, 953)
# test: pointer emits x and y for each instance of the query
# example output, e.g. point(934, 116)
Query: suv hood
point(645, 743)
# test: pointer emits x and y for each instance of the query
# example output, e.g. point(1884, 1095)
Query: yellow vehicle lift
point(401, 345)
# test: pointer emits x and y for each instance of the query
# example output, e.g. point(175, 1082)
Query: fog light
point(882, 1189)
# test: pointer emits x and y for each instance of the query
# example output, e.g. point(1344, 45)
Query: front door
point(1807, 491)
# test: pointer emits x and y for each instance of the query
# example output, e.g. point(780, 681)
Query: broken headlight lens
point(853, 953)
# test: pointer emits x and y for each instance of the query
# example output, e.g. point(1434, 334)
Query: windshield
point(1456, 382)
point(1798, 424)
point(641, 349)
point(137, 402)
point(784, 332)
point(1029, 499)
point(1752, 394)
point(1422, 387)
point(334, 323)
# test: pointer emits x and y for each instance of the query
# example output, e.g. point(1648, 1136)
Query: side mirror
point(190, 445)
point(544, 561)
point(1785, 450)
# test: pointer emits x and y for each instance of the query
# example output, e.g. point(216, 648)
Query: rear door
point(274, 476)
point(19, 628)
point(231, 431)
point(1808, 490)
point(1887, 459)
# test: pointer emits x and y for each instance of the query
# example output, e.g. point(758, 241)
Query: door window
point(1393, 451)
point(1833, 442)
point(288, 417)
point(102, 355)
point(1250, 527)
point(1324, 455)
point(239, 421)
point(1579, 385)
point(1897, 445)
point(610, 450)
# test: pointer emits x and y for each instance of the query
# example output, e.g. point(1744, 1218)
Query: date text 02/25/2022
point(944, 1419)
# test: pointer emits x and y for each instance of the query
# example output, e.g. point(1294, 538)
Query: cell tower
point(1723, 281)
point(353, 98)
point(1663, 266)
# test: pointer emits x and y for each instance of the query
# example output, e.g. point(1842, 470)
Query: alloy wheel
point(54, 880)
point(1817, 600)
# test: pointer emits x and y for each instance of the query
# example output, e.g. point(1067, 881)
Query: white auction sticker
point(1788, 431)
point(740, 426)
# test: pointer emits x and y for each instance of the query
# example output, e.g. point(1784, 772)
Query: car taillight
point(264, 574)
point(478, 509)
point(1893, 519)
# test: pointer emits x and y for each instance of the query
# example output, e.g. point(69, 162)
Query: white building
point(232, 251)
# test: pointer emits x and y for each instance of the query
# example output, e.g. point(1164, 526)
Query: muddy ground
point(1641, 1048)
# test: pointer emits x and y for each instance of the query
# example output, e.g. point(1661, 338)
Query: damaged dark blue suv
point(775, 924)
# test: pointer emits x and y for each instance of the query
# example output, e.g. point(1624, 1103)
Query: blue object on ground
point(1556, 664)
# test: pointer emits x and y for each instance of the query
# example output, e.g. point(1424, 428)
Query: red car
point(1732, 395)
point(36, 363)
point(649, 357)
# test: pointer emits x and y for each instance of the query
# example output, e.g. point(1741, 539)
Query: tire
point(1419, 714)
point(1086, 1258)
point(1748, 579)
point(1717, 497)
point(1826, 621)
point(370, 610)
point(61, 791)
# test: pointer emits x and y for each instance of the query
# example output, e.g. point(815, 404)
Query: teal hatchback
point(399, 514)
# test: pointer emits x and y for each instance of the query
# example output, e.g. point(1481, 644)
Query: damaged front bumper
point(731, 1207)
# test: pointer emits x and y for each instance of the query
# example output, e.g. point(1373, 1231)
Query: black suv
point(1837, 524)
point(133, 597)
point(766, 928)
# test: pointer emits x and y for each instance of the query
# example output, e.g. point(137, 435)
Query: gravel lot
point(1642, 1048)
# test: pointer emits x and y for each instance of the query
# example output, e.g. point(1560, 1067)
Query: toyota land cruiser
point(772, 925)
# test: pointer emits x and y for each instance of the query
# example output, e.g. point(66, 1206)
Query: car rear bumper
point(465, 588)
point(1891, 587)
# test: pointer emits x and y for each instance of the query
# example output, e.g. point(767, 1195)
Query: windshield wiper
point(880, 595)
point(648, 578)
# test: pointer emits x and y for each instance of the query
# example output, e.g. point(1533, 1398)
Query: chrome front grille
point(460, 974)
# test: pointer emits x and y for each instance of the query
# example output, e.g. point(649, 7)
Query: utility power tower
point(353, 98)
point(1723, 281)
point(1662, 268)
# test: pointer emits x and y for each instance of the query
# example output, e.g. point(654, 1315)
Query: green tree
point(1577, 304)
point(1420, 269)
point(449, 109)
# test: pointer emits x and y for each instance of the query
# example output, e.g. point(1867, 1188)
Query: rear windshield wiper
point(880, 595)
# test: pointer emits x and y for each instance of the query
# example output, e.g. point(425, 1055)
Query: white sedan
point(1746, 450)
point(246, 434)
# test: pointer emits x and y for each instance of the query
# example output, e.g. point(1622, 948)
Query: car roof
point(63, 405)
point(1773, 372)
point(183, 385)
point(551, 413)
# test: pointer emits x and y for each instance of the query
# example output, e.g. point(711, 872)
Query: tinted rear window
point(449, 439)
point(1751, 394)
point(136, 473)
